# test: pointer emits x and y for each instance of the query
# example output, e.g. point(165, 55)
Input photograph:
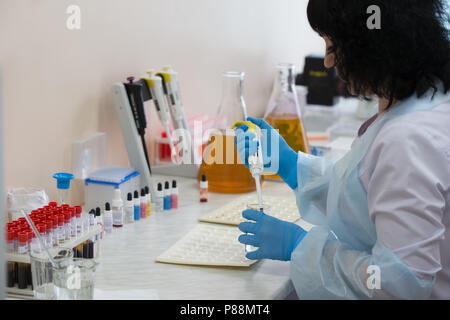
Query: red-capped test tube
point(67, 224)
point(48, 233)
point(16, 238)
point(23, 242)
point(61, 231)
point(79, 220)
point(73, 223)
point(54, 230)
point(10, 240)
point(30, 239)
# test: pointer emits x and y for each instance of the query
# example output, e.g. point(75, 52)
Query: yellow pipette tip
point(251, 126)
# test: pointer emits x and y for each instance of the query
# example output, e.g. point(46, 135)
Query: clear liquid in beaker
point(85, 292)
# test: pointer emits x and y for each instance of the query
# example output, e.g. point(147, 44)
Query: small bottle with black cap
point(149, 200)
point(91, 219)
point(167, 195)
point(159, 202)
point(117, 209)
point(108, 218)
point(129, 208)
point(143, 204)
point(174, 195)
point(204, 189)
point(137, 206)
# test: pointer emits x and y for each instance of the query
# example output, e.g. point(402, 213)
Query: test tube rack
point(25, 258)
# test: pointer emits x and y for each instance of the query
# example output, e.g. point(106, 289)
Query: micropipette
point(156, 89)
point(138, 92)
point(255, 161)
point(172, 90)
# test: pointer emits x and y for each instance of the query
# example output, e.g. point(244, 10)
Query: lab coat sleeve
point(322, 267)
point(313, 176)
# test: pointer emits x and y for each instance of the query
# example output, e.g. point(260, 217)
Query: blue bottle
point(137, 206)
point(167, 195)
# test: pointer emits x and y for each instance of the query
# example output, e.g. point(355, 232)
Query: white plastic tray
point(231, 214)
point(210, 245)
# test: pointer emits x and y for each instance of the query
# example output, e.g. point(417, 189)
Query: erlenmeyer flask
point(283, 111)
point(221, 164)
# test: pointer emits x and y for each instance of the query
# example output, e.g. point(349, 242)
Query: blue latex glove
point(275, 238)
point(283, 160)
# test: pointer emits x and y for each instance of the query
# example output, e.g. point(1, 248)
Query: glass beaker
point(74, 279)
point(221, 164)
point(283, 111)
point(256, 206)
point(42, 271)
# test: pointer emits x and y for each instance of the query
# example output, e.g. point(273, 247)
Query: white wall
point(57, 82)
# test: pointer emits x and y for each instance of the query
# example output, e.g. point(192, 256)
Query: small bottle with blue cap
point(63, 185)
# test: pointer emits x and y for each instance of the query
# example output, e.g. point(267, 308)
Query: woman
point(381, 213)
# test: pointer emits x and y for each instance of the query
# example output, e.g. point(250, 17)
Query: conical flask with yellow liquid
point(283, 111)
point(221, 164)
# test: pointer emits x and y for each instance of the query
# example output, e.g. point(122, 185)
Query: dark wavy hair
point(409, 54)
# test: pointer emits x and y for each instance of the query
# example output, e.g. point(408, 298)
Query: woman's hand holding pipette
point(278, 157)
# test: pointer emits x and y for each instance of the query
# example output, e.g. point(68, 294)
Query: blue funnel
point(63, 180)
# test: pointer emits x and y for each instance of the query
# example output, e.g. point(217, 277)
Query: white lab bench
point(128, 255)
point(127, 260)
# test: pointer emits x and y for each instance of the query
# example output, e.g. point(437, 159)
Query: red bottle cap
point(30, 235)
point(67, 216)
point(10, 236)
point(54, 221)
point(53, 204)
point(65, 206)
point(49, 224)
point(16, 232)
point(22, 226)
point(72, 212)
point(23, 237)
point(78, 209)
point(22, 219)
point(42, 228)
point(60, 219)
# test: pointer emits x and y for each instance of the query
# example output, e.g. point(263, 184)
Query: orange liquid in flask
point(223, 169)
point(291, 128)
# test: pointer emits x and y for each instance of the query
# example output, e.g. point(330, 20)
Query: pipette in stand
point(138, 92)
point(172, 90)
point(156, 89)
point(255, 161)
